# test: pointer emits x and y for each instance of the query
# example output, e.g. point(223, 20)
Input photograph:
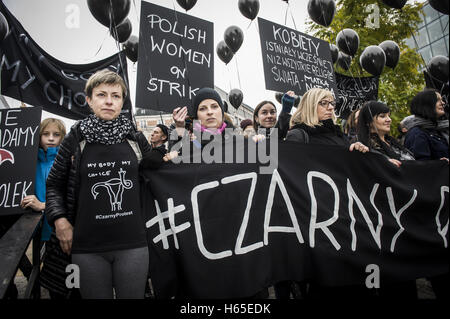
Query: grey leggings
point(125, 270)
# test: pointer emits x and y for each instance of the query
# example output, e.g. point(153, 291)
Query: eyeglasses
point(325, 103)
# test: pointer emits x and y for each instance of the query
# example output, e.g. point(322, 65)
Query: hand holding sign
point(179, 116)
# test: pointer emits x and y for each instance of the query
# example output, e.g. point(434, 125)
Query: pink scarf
point(215, 131)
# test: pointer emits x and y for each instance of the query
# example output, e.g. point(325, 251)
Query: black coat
point(328, 134)
point(63, 180)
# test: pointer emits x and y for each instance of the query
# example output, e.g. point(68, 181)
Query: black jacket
point(328, 134)
point(63, 179)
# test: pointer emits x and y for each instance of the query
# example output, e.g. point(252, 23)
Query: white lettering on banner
point(12, 194)
point(18, 136)
point(15, 65)
point(166, 26)
point(295, 40)
point(442, 231)
point(179, 51)
point(238, 248)
point(322, 225)
point(171, 88)
point(276, 180)
point(159, 218)
point(398, 214)
point(376, 234)
point(197, 224)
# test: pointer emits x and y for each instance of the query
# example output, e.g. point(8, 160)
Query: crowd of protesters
point(112, 253)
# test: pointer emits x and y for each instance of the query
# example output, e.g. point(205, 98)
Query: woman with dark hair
point(351, 124)
point(374, 125)
point(265, 116)
point(428, 137)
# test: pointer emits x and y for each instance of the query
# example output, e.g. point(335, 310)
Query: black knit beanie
point(164, 129)
point(203, 94)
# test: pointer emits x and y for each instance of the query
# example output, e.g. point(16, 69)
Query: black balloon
point(102, 10)
point(131, 48)
point(438, 68)
point(334, 53)
point(344, 60)
point(397, 4)
point(233, 38)
point(249, 8)
point(4, 29)
point(235, 97)
point(373, 59)
point(224, 52)
point(392, 52)
point(123, 31)
point(322, 11)
point(187, 4)
point(439, 5)
point(347, 41)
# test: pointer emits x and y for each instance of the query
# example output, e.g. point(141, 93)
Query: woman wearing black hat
point(208, 116)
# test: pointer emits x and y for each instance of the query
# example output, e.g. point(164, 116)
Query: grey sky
point(49, 24)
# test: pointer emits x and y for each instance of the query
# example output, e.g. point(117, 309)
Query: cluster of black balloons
point(233, 36)
point(4, 27)
point(113, 14)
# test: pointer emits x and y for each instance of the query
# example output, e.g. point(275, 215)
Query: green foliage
point(398, 86)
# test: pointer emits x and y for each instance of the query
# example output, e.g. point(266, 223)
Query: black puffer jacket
point(63, 180)
point(328, 133)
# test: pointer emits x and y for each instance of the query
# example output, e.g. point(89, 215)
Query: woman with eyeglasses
point(315, 122)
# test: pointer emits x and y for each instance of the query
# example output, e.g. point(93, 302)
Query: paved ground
point(424, 290)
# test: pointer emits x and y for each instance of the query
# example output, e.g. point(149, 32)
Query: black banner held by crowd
point(176, 58)
point(294, 61)
point(31, 75)
point(353, 92)
point(19, 143)
point(224, 230)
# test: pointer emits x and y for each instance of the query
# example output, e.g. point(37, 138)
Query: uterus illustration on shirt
point(115, 188)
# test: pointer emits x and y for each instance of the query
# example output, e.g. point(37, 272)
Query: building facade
point(432, 37)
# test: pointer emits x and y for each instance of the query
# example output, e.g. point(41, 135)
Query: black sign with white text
point(295, 61)
point(19, 143)
point(228, 231)
point(176, 58)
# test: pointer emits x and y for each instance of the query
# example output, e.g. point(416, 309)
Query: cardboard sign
point(176, 58)
point(295, 61)
point(19, 143)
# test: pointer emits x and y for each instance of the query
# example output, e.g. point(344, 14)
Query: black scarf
point(96, 130)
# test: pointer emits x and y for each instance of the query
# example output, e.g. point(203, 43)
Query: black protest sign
point(31, 75)
point(19, 143)
point(326, 221)
point(294, 61)
point(353, 92)
point(176, 58)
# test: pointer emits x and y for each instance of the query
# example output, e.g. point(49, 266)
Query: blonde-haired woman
point(315, 122)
